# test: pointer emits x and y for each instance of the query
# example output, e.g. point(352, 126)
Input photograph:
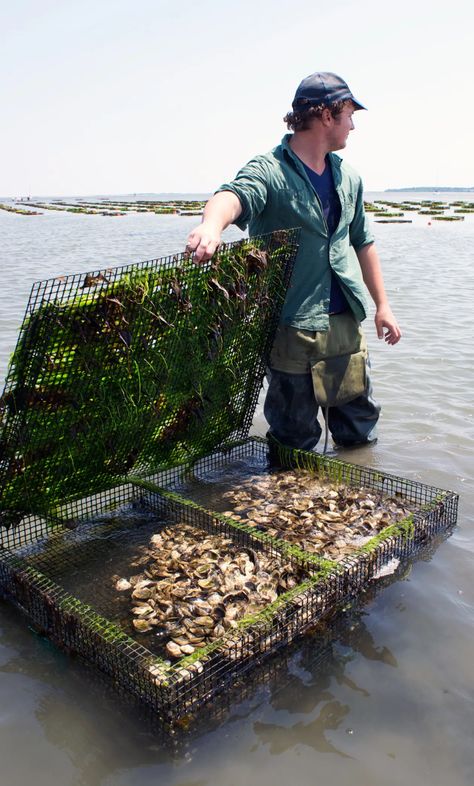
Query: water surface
point(390, 699)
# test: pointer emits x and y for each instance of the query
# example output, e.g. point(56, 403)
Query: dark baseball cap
point(325, 88)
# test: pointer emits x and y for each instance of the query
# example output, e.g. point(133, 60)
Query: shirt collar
point(335, 160)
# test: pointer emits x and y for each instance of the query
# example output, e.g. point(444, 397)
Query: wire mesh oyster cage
point(176, 603)
point(141, 526)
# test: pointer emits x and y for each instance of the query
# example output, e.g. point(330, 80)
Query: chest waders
point(336, 360)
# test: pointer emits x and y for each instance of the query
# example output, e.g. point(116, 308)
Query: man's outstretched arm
point(385, 322)
point(221, 210)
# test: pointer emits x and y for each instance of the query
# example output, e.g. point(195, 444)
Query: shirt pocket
point(294, 206)
point(348, 208)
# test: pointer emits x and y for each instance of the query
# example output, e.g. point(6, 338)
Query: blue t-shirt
point(324, 188)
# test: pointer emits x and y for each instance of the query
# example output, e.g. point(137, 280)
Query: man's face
point(342, 125)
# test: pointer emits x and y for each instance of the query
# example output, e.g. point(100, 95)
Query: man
point(319, 357)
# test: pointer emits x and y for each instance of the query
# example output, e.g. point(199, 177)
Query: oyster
point(122, 585)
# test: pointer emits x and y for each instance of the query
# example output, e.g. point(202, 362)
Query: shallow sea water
point(390, 698)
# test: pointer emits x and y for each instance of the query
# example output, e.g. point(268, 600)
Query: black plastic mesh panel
point(136, 368)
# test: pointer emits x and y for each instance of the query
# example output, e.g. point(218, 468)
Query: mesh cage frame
point(76, 627)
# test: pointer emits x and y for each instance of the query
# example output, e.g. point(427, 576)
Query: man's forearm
point(385, 323)
point(372, 274)
point(221, 210)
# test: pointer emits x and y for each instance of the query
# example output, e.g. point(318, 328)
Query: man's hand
point(203, 242)
point(221, 210)
point(386, 325)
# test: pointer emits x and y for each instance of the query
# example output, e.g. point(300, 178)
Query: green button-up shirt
point(275, 193)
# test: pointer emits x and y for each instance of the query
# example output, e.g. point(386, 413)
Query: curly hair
point(300, 121)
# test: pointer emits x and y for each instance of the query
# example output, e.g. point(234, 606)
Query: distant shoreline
point(435, 189)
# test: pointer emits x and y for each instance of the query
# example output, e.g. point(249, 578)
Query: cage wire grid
point(435, 510)
point(317, 652)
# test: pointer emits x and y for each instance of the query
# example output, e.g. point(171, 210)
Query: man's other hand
point(387, 326)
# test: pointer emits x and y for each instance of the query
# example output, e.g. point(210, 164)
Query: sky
point(114, 97)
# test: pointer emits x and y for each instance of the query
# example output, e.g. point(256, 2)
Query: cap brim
point(357, 104)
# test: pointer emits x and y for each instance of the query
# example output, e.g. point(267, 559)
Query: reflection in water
point(313, 734)
point(98, 756)
point(308, 684)
point(307, 687)
point(67, 694)
point(366, 647)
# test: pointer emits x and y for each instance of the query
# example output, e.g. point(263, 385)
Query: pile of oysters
point(196, 586)
point(331, 520)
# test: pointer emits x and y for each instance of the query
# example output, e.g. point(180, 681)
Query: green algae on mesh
point(334, 470)
point(127, 373)
point(436, 503)
point(329, 468)
point(404, 528)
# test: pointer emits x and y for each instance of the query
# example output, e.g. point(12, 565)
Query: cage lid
point(134, 369)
